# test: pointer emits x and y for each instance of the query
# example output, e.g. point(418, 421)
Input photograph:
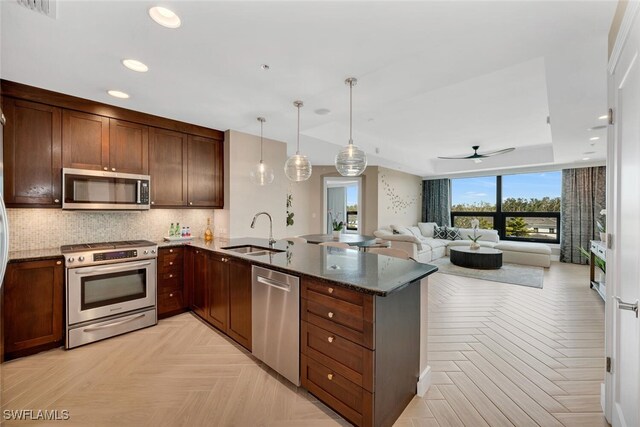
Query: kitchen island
point(361, 347)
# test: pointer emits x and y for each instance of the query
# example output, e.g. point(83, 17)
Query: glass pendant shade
point(351, 160)
point(298, 167)
point(261, 173)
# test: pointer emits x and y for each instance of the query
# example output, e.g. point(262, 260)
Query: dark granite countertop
point(34, 255)
point(360, 271)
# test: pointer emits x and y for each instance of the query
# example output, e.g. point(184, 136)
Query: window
point(522, 207)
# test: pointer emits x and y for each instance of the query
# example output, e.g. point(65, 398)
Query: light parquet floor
point(502, 355)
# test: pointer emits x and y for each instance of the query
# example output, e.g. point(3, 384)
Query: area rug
point(509, 273)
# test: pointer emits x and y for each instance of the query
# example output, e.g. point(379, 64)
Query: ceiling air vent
point(46, 7)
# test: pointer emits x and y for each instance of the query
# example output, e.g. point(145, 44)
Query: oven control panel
point(108, 256)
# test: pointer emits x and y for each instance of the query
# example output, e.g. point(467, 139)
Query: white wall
point(243, 198)
point(399, 198)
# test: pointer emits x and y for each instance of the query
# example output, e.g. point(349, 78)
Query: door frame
point(613, 205)
point(325, 185)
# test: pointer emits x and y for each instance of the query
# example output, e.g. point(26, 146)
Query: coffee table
point(482, 258)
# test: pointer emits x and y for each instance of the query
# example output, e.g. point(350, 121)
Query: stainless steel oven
point(104, 190)
point(111, 289)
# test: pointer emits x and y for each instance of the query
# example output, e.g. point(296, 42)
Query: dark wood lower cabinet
point(360, 354)
point(171, 295)
point(219, 292)
point(240, 302)
point(33, 307)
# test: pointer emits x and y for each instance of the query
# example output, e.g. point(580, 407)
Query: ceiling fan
point(476, 157)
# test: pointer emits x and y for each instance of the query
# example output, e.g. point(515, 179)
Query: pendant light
point(351, 161)
point(261, 174)
point(298, 167)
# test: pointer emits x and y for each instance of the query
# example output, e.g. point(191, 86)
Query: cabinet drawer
point(169, 285)
point(170, 301)
point(346, 358)
point(171, 260)
point(348, 320)
point(349, 400)
point(311, 287)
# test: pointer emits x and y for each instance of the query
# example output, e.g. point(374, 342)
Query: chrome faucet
point(272, 241)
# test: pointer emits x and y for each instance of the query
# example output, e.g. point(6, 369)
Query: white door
point(623, 328)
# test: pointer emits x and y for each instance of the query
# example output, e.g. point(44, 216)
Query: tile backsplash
point(49, 228)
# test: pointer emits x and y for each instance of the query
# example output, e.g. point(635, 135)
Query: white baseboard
point(424, 382)
point(555, 258)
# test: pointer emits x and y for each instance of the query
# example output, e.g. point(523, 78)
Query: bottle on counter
point(177, 232)
point(172, 231)
point(183, 233)
point(188, 231)
point(208, 234)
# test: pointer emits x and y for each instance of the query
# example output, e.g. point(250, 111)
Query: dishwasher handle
point(278, 285)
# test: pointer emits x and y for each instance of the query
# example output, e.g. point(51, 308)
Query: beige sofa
point(419, 242)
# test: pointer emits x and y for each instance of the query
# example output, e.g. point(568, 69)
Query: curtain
point(583, 197)
point(436, 206)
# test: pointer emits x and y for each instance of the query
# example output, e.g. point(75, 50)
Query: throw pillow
point(453, 234)
point(439, 232)
point(400, 229)
point(426, 228)
point(415, 231)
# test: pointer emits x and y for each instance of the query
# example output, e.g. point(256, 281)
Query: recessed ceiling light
point(603, 117)
point(135, 65)
point(265, 67)
point(118, 94)
point(322, 111)
point(594, 138)
point(165, 17)
point(589, 152)
point(597, 127)
point(477, 161)
point(586, 158)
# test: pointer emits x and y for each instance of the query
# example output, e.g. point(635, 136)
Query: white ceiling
point(434, 78)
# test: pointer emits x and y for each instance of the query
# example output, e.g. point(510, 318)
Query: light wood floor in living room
point(502, 355)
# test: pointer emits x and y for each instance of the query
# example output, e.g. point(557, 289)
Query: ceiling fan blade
point(457, 157)
point(497, 152)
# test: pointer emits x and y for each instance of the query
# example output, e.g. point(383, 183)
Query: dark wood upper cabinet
point(128, 147)
point(33, 306)
point(85, 141)
point(205, 167)
point(239, 327)
point(32, 156)
point(168, 167)
point(218, 291)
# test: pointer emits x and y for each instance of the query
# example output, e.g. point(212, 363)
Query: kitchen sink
point(252, 250)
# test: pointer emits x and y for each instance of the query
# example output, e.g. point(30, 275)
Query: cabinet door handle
point(330, 314)
point(330, 339)
point(56, 200)
point(58, 262)
point(190, 203)
point(113, 169)
point(330, 377)
point(170, 276)
point(170, 250)
point(171, 295)
point(153, 203)
point(105, 168)
point(170, 262)
point(330, 290)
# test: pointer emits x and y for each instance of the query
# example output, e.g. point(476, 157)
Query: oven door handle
point(111, 325)
point(108, 269)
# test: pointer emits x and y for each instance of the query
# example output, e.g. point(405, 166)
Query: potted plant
point(474, 240)
point(336, 224)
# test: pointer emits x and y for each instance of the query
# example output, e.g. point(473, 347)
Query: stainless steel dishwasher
point(275, 321)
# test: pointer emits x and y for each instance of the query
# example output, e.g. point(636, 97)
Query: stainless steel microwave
point(89, 189)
